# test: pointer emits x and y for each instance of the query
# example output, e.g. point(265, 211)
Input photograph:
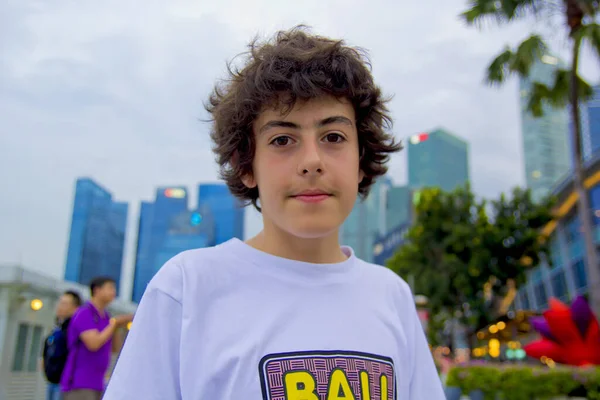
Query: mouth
point(312, 196)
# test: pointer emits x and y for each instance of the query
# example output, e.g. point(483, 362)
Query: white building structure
point(27, 303)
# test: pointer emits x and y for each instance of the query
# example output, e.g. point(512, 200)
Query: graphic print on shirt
point(327, 375)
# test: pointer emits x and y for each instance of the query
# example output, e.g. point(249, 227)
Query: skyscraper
point(439, 159)
point(398, 206)
point(367, 221)
point(545, 139)
point(97, 236)
point(590, 125)
point(225, 208)
point(167, 227)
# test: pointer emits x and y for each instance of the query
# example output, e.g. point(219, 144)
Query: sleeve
point(148, 366)
point(82, 321)
point(425, 382)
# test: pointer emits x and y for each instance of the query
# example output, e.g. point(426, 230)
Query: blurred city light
point(36, 304)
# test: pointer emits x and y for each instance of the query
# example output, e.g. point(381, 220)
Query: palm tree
point(568, 87)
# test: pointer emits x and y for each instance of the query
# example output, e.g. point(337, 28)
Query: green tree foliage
point(566, 89)
point(458, 243)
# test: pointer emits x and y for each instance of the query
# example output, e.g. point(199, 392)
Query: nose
point(311, 162)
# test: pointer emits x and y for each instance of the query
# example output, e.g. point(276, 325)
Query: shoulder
point(189, 268)
point(83, 313)
point(384, 278)
point(82, 319)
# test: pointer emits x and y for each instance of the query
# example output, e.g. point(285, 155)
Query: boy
point(289, 314)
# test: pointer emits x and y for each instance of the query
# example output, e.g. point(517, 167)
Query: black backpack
point(55, 353)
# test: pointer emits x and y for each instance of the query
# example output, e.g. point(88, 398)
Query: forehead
point(108, 284)
point(66, 298)
point(307, 111)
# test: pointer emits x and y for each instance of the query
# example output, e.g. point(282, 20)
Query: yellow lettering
point(300, 386)
point(383, 383)
point(339, 388)
point(365, 385)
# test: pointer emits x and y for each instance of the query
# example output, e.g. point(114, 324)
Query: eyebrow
point(336, 119)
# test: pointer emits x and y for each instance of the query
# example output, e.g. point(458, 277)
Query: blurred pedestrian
point(54, 354)
point(89, 339)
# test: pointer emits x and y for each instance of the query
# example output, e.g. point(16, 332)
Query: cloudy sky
point(113, 90)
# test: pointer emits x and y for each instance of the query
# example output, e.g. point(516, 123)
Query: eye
point(334, 138)
point(281, 141)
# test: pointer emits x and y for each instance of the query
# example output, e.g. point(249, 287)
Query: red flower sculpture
point(570, 335)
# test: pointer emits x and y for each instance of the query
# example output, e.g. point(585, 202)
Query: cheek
point(271, 172)
point(347, 169)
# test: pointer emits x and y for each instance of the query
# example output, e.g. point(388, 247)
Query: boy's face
point(306, 166)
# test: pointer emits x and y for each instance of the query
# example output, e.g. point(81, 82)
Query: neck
point(322, 250)
point(100, 305)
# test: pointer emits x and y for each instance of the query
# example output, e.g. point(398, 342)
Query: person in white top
point(300, 131)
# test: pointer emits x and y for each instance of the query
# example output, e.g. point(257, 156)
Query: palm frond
point(585, 90)
point(502, 11)
point(558, 94)
point(528, 53)
point(516, 9)
point(499, 69)
point(538, 96)
point(589, 7)
point(480, 10)
point(520, 61)
point(561, 90)
point(590, 34)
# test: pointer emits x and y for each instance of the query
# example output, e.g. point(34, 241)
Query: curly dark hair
point(296, 66)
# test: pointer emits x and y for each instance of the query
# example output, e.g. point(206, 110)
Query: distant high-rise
point(398, 206)
point(226, 210)
point(367, 221)
point(439, 159)
point(590, 125)
point(97, 237)
point(167, 227)
point(545, 139)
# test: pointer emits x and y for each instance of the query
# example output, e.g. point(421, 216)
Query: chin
point(313, 229)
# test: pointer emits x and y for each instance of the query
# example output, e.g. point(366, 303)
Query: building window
point(559, 286)
point(34, 351)
point(572, 228)
point(595, 203)
point(579, 275)
point(20, 348)
point(27, 348)
point(576, 249)
point(555, 254)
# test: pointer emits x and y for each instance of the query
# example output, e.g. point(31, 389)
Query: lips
point(312, 192)
point(312, 196)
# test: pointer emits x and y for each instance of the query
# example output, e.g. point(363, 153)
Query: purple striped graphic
point(321, 368)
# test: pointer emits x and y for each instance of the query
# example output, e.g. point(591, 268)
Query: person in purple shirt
point(89, 340)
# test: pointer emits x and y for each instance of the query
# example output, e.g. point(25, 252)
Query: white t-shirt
point(233, 323)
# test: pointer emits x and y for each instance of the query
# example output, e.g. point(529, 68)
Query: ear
point(249, 181)
point(361, 175)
